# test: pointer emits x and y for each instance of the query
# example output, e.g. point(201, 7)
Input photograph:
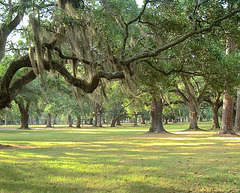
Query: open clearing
point(121, 159)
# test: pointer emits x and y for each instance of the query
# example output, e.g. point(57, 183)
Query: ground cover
point(122, 159)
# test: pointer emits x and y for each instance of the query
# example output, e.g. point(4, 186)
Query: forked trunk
point(49, 120)
point(227, 115)
point(237, 119)
point(78, 122)
point(156, 114)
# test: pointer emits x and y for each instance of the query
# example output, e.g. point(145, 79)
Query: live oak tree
point(86, 42)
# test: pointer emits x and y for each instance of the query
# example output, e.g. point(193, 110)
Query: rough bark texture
point(227, 115)
point(78, 122)
point(156, 114)
point(237, 119)
point(49, 120)
point(99, 120)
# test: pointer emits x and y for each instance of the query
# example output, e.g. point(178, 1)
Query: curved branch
point(155, 52)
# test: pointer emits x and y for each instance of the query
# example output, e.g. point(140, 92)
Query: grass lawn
point(121, 159)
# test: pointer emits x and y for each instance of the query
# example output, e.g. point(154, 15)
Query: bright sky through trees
point(139, 2)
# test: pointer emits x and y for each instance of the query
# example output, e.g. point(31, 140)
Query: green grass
point(122, 159)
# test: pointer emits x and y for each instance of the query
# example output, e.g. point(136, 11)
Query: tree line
point(164, 57)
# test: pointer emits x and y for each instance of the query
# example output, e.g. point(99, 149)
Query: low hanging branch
point(9, 91)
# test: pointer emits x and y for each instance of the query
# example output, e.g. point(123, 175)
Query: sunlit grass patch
point(121, 159)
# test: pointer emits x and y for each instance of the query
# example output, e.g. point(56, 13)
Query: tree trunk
point(156, 115)
point(49, 120)
point(6, 119)
point(118, 122)
point(227, 115)
point(91, 121)
point(113, 121)
point(0, 120)
point(193, 118)
point(143, 120)
point(135, 120)
point(99, 120)
point(78, 122)
point(215, 122)
point(24, 120)
point(166, 120)
point(70, 121)
point(237, 119)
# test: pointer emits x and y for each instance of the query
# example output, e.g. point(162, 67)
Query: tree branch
point(155, 52)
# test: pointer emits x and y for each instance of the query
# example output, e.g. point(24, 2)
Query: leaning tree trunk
point(113, 123)
point(78, 122)
point(70, 121)
point(215, 122)
point(227, 115)
point(193, 117)
point(49, 120)
point(156, 114)
point(237, 119)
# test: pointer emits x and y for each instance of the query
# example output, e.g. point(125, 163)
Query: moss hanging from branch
point(36, 55)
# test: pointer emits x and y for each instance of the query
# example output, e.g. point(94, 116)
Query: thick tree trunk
point(78, 122)
point(193, 117)
point(237, 119)
point(49, 120)
point(156, 115)
point(143, 120)
point(24, 120)
point(227, 115)
point(215, 122)
point(135, 120)
point(99, 120)
point(70, 122)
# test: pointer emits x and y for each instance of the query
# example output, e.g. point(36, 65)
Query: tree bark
point(118, 122)
point(215, 122)
point(70, 121)
point(237, 119)
point(91, 121)
point(78, 122)
point(24, 113)
point(193, 118)
point(227, 115)
point(6, 119)
point(143, 120)
point(113, 123)
point(49, 120)
point(156, 115)
point(99, 120)
point(135, 119)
